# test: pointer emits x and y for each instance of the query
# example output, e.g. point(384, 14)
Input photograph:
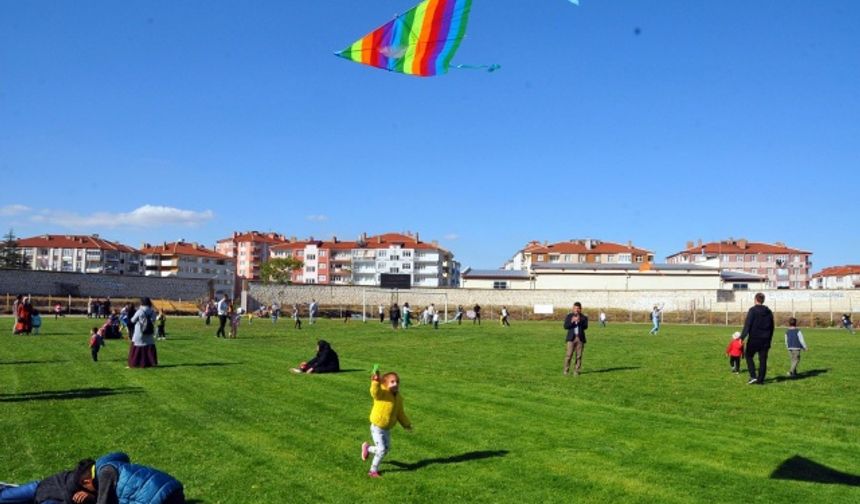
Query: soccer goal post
point(388, 297)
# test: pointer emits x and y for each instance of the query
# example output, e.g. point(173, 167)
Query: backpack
point(148, 327)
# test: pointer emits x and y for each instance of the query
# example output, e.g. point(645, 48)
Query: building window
point(322, 278)
point(382, 253)
point(500, 285)
point(540, 258)
point(310, 269)
point(322, 253)
point(407, 253)
point(740, 286)
point(311, 257)
point(394, 270)
point(554, 258)
point(322, 266)
point(407, 266)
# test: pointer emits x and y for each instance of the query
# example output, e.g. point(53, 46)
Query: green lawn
point(651, 419)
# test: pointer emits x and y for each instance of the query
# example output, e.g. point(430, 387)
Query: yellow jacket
point(387, 407)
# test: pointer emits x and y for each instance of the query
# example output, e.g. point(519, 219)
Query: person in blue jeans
point(656, 313)
point(75, 486)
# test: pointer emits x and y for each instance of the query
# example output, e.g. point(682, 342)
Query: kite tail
point(487, 68)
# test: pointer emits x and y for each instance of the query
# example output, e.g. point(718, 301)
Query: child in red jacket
point(735, 350)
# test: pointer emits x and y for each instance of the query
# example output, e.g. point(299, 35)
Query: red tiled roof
point(74, 242)
point(373, 242)
point(254, 236)
point(579, 247)
point(734, 247)
point(183, 248)
point(838, 271)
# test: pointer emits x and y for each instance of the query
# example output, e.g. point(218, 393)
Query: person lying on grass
point(67, 487)
point(325, 361)
point(118, 481)
point(386, 412)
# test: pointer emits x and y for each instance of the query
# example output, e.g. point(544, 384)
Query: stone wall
point(45, 283)
point(800, 301)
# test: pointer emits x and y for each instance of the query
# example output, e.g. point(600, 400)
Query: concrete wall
point(348, 295)
point(623, 281)
point(801, 301)
point(44, 283)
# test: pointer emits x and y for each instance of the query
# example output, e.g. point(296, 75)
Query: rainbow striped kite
point(420, 42)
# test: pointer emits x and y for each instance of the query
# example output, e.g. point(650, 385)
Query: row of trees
point(280, 270)
point(10, 256)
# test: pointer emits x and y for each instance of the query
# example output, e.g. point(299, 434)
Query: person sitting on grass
point(117, 480)
point(325, 361)
point(75, 486)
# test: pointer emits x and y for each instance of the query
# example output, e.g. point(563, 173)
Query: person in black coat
point(67, 487)
point(759, 327)
point(394, 316)
point(325, 361)
point(575, 323)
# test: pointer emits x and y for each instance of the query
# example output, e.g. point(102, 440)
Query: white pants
point(381, 444)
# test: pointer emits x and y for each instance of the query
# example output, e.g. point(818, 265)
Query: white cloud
point(451, 236)
point(145, 216)
point(317, 218)
point(13, 210)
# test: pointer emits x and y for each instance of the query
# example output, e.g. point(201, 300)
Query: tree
point(10, 256)
point(279, 270)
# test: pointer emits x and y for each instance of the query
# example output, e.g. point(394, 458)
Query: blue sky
point(657, 122)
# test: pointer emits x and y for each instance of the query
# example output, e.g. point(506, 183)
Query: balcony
point(426, 257)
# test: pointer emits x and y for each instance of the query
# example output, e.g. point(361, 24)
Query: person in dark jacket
point(325, 361)
point(759, 327)
point(67, 487)
point(394, 316)
point(118, 481)
point(575, 323)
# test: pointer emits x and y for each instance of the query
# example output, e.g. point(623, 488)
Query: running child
point(386, 412)
point(735, 351)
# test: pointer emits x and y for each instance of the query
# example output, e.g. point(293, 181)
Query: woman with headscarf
point(23, 316)
point(325, 361)
point(141, 353)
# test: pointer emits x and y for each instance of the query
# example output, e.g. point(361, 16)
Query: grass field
point(651, 419)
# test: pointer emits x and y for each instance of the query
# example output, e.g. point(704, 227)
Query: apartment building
point(190, 260)
point(361, 262)
point(837, 277)
point(784, 267)
point(583, 251)
point(250, 250)
point(81, 254)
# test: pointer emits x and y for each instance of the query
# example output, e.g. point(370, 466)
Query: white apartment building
point(79, 253)
point(362, 262)
point(837, 277)
point(191, 260)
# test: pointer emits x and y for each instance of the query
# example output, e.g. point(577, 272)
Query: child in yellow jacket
point(386, 412)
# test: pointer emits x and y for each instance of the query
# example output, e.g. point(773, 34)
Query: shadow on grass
point(25, 362)
point(194, 501)
point(456, 459)
point(612, 369)
point(799, 468)
point(199, 364)
point(59, 395)
point(812, 373)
